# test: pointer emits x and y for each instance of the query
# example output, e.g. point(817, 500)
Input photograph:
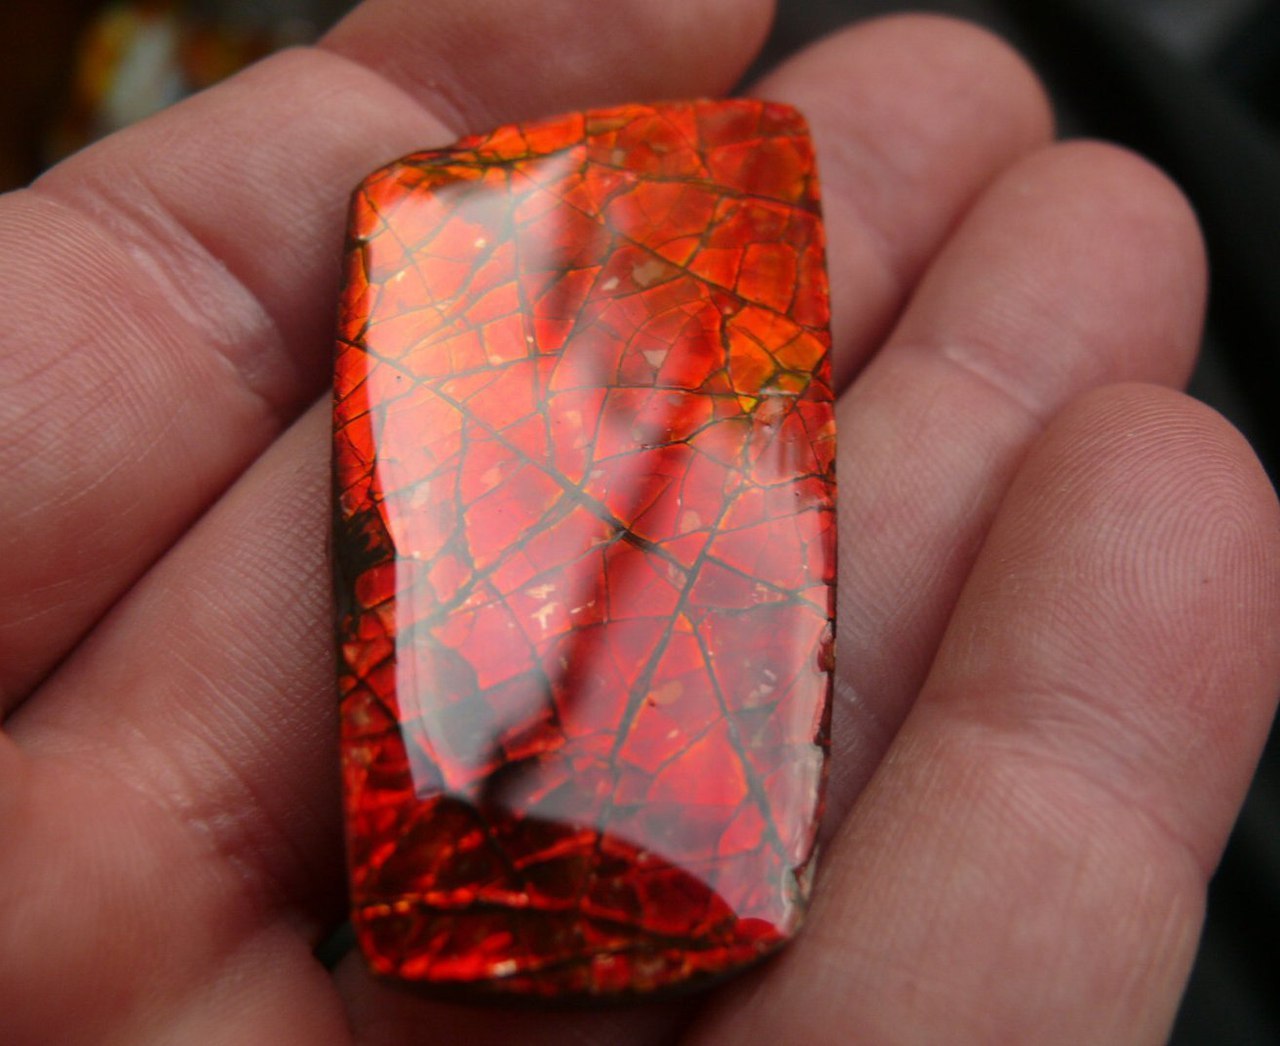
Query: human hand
point(1057, 654)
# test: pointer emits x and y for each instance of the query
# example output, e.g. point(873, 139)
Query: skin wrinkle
point(137, 219)
point(93, 376)
point(977, 369)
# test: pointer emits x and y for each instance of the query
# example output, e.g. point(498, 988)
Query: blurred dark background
point(1193, 84)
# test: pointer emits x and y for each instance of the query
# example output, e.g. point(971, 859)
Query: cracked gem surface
point(585, 543)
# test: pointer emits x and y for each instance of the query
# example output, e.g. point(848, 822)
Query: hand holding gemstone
point(1057, 655)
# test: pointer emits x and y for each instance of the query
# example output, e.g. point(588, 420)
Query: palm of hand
point(1056, 597)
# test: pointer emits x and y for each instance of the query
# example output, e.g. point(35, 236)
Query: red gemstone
point(585, 543)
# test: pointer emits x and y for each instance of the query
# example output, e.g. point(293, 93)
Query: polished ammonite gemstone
point(585, 530)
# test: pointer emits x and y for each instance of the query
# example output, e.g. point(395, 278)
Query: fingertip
point(1127, 595)
point(1171, 462)
point(1199, 496)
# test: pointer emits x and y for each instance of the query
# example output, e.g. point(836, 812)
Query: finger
point(1030, 863)
point(162, 863)
point(1082, 265)
point(912, 117)
point(170, 292)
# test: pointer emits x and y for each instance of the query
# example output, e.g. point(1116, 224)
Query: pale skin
point(1059, 578)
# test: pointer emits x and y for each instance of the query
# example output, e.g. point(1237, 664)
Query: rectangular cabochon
point(585, 550)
